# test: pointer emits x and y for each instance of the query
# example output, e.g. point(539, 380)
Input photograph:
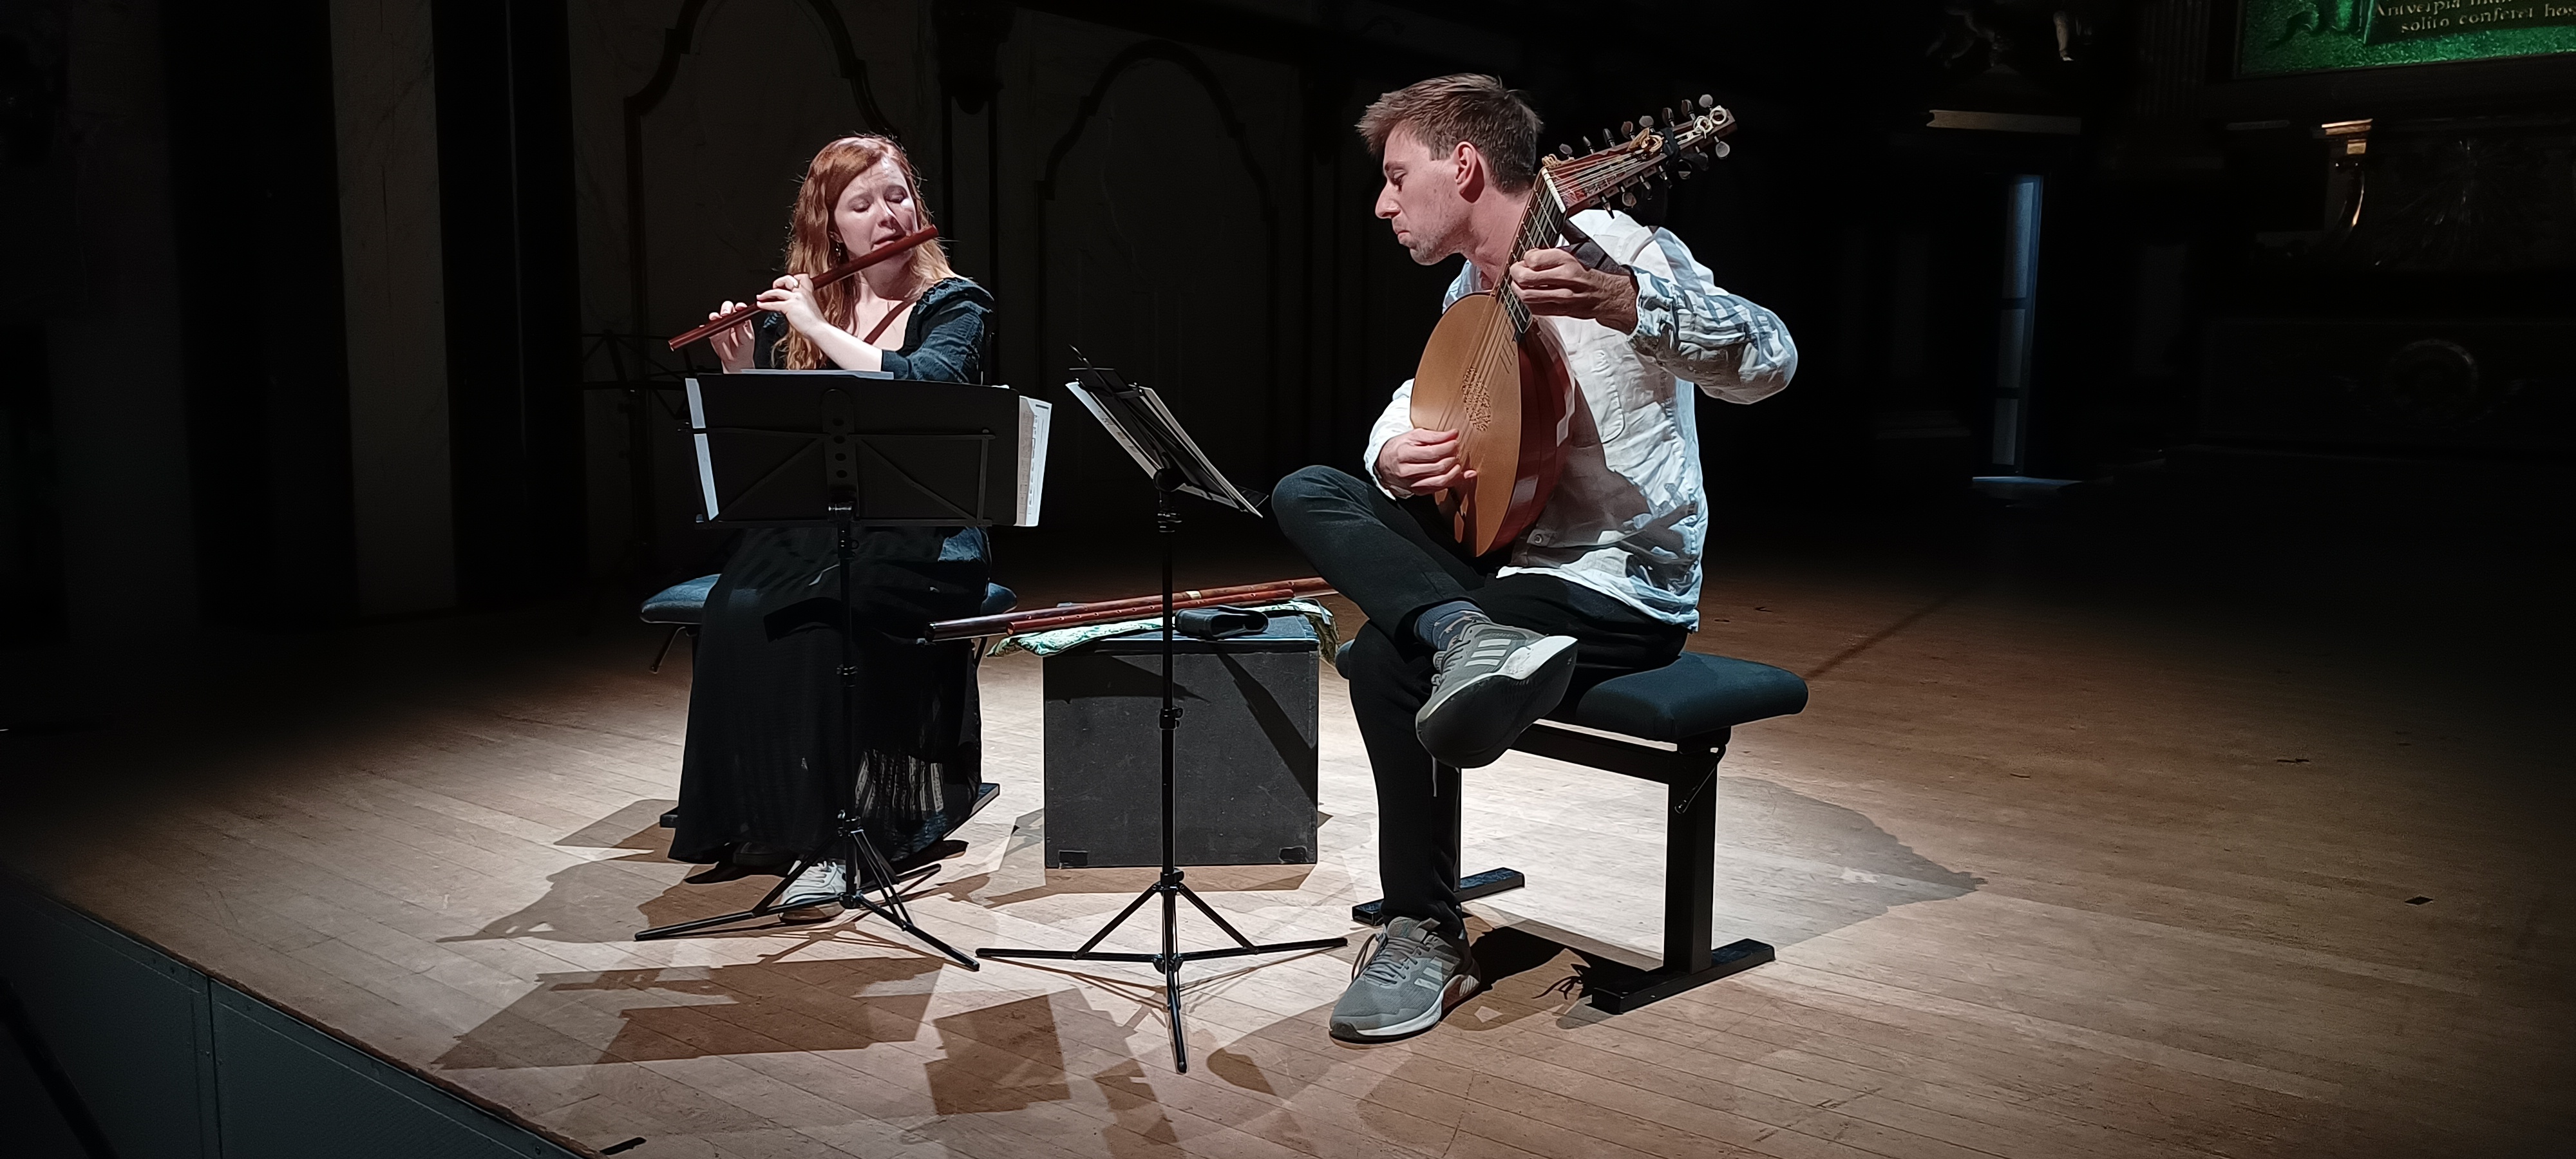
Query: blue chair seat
point(686, 603)
point(680, 603)
point(1695, 695)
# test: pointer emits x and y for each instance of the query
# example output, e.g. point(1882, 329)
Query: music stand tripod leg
point(766, 907)
point(1171, 887)
point(849, 849)
point(860, 860)
point(862, 851)
point(891, 908)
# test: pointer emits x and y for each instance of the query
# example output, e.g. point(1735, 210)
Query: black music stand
point(1137, 418)
point(797, 448)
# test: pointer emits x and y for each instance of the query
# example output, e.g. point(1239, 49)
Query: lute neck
point(1541, 226)
point(1572, 184)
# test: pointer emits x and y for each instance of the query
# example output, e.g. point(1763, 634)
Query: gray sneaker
point(1487, 685)
point(1406, 978)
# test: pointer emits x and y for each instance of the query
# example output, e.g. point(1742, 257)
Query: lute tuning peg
point(1645, 122)
point(1565, 150)
point(1628, 198)
point(1668, 113)
point(1627, 128)
point(1707, 102)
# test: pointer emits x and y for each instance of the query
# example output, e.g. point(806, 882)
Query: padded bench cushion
point(686, 603)
point(1692, 696)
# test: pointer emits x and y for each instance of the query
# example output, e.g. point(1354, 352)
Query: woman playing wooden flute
point(764, 772)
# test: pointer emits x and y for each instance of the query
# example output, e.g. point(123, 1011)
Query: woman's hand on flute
point(733, 343)
point(793, 296)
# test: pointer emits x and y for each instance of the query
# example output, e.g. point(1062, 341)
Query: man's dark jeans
point(1388, 559)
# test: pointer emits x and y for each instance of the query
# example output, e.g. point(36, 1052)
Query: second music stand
point(1137, 418)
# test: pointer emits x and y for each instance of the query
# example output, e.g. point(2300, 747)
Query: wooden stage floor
point(2049, 876)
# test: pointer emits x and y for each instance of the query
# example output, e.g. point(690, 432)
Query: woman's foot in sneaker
point(821, 883)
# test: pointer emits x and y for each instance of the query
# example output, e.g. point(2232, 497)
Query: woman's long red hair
point(812, 247)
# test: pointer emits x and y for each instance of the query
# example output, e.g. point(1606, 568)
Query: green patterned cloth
point(1060, 639)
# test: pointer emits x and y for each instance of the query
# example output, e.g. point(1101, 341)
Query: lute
point(1501, 381)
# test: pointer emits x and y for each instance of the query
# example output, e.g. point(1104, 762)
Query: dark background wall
point(254, 198)
point(351, 307)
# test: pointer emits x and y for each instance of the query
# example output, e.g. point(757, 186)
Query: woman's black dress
point(765, 762)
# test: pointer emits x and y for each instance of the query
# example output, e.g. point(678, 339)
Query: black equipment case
point(1245, 779)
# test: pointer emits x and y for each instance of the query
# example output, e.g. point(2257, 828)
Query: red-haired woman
point(916, 319)
point(764, 773)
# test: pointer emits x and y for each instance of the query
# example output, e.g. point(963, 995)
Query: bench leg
point(1690, 871)
point(1690, 883)
point(1470, 886)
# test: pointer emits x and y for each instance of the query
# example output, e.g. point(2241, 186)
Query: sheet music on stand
point(1137, 418)
point(759, 437)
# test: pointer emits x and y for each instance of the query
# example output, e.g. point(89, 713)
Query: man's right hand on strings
point(1420, 461)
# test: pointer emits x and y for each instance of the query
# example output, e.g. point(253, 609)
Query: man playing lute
point(1460, 655)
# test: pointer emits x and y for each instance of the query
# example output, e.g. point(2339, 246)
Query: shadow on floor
point(1003, 1057)
point(1813, 866)
point(1126, 881)
point(1025, 854)
point(589, 901)
point(1012, 1055)
point(691, 1012)
point(637, 826)
point(1789, 868)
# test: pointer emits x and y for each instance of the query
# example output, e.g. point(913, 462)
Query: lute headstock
point(1639, 153)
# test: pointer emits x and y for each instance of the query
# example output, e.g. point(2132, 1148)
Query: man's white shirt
point(1630, 513)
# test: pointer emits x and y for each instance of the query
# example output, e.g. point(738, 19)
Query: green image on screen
point(2282, 36)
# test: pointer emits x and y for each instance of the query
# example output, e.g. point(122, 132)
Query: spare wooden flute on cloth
point(1144, 611)
point(1131, 608)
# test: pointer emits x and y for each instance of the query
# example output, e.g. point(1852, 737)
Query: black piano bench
point(1693, 705)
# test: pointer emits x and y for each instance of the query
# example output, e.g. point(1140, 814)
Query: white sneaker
point(821, 883)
